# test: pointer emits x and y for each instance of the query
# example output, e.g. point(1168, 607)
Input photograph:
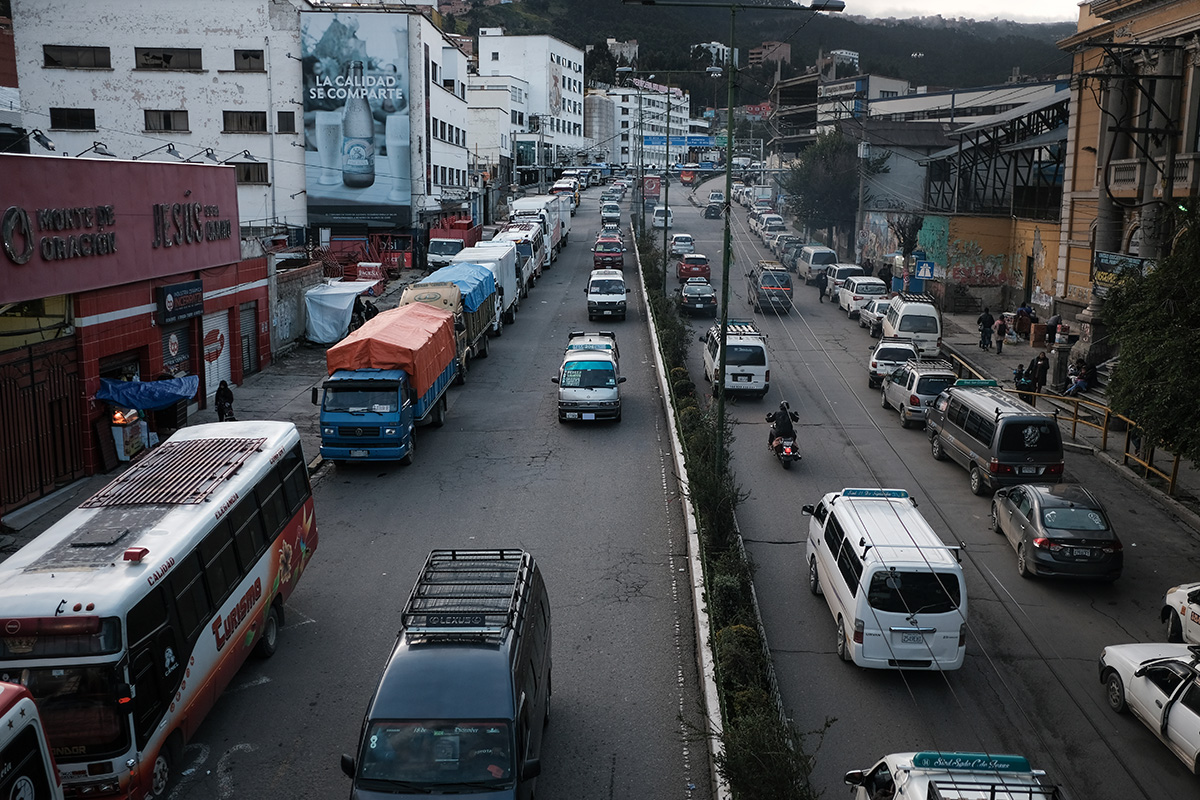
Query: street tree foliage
point(599, 64)
point(822, 186)
point(906, 228)
point(1152, 318)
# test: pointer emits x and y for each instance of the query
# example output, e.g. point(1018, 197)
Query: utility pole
point(666, 187)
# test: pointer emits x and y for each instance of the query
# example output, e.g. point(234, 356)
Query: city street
point(1030, 682)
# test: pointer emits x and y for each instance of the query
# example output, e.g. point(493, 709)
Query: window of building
point(160, 120)
point(624, 112)
point(514, 116)
point(251, 173)
point(624, 137)
point(286, 122)
point(495, 56)
point(249, 61)
point(448, 84)
point(442, 126)
point(434, 126)
point(245, 121)
point(173, 58)
point(65, 57)
point(520, 117)
point(444, 176)
point(73, 119)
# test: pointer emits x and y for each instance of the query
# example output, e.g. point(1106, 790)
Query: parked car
point(693, 265)
point(871, 317)
point(1181, 613)
point(886, 357)
point(713, 210)
point(682, 243)
point(858, 290)
point(697, 296)
point(780, 242)
point(912, 388)
point(834, 275)
point(1058, 530)
point(1160, 684)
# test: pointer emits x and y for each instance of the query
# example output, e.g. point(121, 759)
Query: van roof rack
point(468, 594)
point(742, 327)
point(917, 297)
point(932, 363)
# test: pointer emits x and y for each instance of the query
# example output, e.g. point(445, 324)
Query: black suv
point(769, 285)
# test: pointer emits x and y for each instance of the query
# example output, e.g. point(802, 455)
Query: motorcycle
point(785, 449)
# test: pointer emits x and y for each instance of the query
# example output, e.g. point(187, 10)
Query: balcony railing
point(1125, 175)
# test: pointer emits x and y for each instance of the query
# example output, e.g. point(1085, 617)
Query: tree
point(823, 184)
point(906, 228)
point(599, 65)
point(1152, 319)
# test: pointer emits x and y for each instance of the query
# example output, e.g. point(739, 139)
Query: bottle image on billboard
point(358, 133)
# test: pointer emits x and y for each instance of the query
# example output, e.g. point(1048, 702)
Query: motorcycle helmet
point(783, 405)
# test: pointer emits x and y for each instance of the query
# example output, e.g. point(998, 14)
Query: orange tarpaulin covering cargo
point(416, 338)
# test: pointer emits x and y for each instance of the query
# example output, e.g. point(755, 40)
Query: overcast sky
point(1019, 10)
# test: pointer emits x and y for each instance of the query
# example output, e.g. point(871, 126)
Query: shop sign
point(180, 301)
point(1109, 268)
point(176, 353)
point(214, 345)
point(178, 224)
point(61, 233)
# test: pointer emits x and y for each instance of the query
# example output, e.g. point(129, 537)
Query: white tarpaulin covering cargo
point(328, 308)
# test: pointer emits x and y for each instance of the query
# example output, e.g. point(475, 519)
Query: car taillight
point(858, 631)
point(996, 468)
point(767, 376)
point(1042, 543)
point(1113, 547)
point(913, 400)
point(1055, 469)
point(874, 364)
point(857, 298)
point(962, 635)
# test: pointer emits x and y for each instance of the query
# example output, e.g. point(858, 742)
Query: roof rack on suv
point(917, 297)
point(574, 334)
point(468, 593)
point(931, 363)
point(742, 327)
point(897, 340)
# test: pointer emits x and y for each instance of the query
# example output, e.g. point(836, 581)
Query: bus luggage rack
point(181, 473)
point(468, 593)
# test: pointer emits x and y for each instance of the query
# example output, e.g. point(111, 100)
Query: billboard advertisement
point(357, 129)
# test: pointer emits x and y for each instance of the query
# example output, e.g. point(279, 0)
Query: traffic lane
point(967, 516)
point(612, 565)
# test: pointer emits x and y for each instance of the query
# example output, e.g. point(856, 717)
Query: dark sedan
point(713, 210)
point(1058, 530)
point(697, 297)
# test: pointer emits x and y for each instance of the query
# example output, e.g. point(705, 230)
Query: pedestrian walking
point(1039, 370)
point(1001, 329)
point(224, 401)
point(986, 321)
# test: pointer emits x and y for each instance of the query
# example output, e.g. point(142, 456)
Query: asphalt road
point(1030, 682)
point(595, 503)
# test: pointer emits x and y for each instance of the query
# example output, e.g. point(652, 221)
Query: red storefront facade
point(121, 270)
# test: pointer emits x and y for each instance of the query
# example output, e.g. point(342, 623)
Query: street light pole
point(666, 187)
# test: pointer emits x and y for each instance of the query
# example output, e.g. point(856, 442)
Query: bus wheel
point(160, 779)
point(268, 640)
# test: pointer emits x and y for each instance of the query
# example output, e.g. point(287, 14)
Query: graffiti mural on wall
point(970, 265)
point(934, 235)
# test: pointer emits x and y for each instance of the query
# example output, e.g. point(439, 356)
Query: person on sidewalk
point(1001, 329)
point(985, 321)
point(1038, 371)
point(224, 402)
point(1084, 379)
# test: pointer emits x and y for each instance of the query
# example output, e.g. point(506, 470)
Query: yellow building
point(1132, 149)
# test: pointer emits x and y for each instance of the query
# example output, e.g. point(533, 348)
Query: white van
point(811, 262)
point(895, 591)
point(747, 367)
point(916, 317)
point(606, 294)
point(662, 217)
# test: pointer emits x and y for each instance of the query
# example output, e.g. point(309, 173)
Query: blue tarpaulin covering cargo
point(148, 395)
point(475, 282)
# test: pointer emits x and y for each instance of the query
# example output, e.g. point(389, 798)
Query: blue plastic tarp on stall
point(474, 281)
point(148, 395)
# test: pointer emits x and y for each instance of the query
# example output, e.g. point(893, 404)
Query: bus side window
point(270, 500)
point(294, 472)
point(146, 617)
point(220, 562)
point(248, 538)
point(191, 597)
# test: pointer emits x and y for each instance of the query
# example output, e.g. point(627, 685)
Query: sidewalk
point(280, 391)
point(960, 337)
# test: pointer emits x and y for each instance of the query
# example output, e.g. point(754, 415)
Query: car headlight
point(327, 431)
point(390, 431)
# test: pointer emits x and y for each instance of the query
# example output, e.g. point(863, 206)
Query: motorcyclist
point(781, 423)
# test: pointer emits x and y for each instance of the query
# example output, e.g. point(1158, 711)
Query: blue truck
point(386, 378)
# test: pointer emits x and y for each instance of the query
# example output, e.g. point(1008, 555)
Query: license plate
point(588, 415)
point(607, 311)
point(1081, 552)
point(912, 638)
point(741, 378)
point(1029, 470)
point(359, 453)
point(572, 415)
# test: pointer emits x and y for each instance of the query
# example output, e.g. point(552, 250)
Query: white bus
point(128, 618)
point(26, 767)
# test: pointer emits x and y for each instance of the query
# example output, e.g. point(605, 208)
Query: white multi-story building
point(554, 71)
point(499, 105)
point(719, 53)
point(641, 109)
point(224, 81)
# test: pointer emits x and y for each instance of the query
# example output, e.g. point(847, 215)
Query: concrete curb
point(706, 659)
point(1166, 502)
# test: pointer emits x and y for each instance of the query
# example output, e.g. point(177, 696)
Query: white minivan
point(896, 592)
point(662, 218)
point(916, 317)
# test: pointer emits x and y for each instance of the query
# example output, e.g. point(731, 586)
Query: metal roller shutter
point(218, 363)
point(249, 334)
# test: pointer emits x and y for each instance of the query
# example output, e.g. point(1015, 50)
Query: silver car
point(912, 388)
point(871, 317)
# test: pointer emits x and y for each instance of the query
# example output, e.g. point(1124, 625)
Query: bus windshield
point(430, 753)
point(79, 710)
